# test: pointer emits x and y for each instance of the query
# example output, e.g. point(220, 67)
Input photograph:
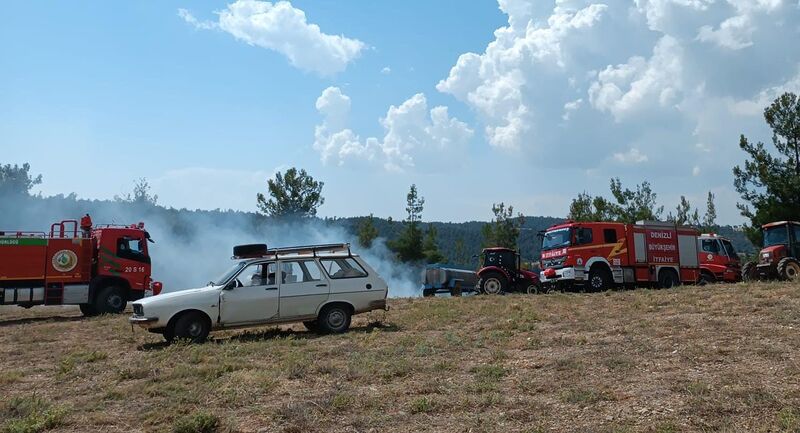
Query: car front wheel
point(334, 319)
point(192, 326)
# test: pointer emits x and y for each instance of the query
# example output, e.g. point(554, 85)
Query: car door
point(251, 297)
point(303, 288)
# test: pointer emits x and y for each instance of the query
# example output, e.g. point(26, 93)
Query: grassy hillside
point(717, 358)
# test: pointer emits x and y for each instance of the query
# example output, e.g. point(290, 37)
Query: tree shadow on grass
point(276, 333)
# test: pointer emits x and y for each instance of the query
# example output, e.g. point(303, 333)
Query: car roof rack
point(311, 249)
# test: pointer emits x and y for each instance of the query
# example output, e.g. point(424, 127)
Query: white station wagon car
point(322, 286)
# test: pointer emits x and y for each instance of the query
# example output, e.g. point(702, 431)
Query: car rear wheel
point(334, 319)
point(493, 284)
point(191, 326)
point(789, 269)
point(110, 300)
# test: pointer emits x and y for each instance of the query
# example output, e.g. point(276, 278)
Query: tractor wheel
point(789, 269)
point(88, 310)
point(667, 278)
point(493, 284)
point(749, 272)
point(110, 300)
point(533, 289)
point(599, 279)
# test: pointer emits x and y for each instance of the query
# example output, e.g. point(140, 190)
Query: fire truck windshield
point(776, 236)
point(228, 274)
point(556, 239)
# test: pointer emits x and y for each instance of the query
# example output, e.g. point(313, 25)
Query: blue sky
point(207, 99)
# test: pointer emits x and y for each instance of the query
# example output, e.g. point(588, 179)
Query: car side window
point(343, 268)
point(260, 274)
point(300, 271)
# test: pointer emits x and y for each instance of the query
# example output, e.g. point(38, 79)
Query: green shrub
point(198, 422)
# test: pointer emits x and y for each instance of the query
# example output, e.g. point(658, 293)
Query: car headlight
point(138, 310)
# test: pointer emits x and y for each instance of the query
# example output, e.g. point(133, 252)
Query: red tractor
point(779, 257)
point(99, 269)
point(502, 272)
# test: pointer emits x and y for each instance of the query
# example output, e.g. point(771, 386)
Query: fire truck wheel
point(493, 284)
point(599, 280)
point(110, 300)
point(192, 326)
point(311, 325)
point(667, 279)
point(88, 310)
point(748, 271)
point(706, 278)
point(789, 269)
point(334, 319)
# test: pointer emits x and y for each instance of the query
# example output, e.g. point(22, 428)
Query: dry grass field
point(715, 358)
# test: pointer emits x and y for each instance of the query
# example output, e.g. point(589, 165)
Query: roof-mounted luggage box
point(249, 251)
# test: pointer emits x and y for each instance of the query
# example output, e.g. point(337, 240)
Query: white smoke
point(192, 248)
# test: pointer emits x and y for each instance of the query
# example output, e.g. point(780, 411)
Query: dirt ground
point(713, 358)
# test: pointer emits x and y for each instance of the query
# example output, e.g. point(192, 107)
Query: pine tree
point(367, 232)
point(430, 247)
point(710, 218)
point(408, 246)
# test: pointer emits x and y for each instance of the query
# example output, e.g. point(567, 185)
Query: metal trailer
point(440, 278)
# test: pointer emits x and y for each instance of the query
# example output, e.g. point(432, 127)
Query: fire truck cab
point(719, 261)
point(98, 268)
point(599, 255)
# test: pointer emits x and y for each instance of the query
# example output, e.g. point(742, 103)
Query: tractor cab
point(501, 271)
point(778, 259)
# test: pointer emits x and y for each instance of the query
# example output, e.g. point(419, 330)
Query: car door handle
point(271, 288)
point(322, 285)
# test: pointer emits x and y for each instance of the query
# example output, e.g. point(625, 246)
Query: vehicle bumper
point(144, 322)
point(563, 275)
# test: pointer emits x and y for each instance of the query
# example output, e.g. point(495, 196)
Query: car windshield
point(228, 274)
point(776, 236)
point(730, 250)
point(556, 238)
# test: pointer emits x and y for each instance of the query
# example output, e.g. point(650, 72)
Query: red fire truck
point(599, 255)
point(98, 268)
point(719, 261)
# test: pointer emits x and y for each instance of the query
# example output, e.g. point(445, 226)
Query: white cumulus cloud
point(283, 28)
point(415, 137)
